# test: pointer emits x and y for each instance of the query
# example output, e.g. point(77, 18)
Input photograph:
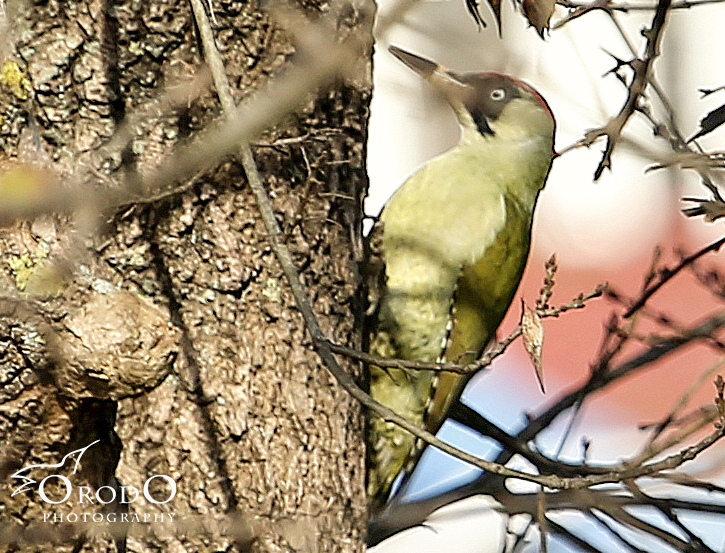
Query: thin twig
point(642, 68)
point(621, 517)
point(682, 402)
point(660, 318)
point(677, 141)
point(485, 360)
point(631, 6)
point(668, 274)
point(579, 9)
point(575, 540)
point(704, 418)
point(542, 521)
point(664, 506)
point(599, 379)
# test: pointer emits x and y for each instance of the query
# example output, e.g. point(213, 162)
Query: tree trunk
point(165, 330)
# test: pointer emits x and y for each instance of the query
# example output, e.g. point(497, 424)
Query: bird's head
point(487, 104)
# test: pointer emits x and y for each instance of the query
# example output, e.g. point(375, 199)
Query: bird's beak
point(444, 81)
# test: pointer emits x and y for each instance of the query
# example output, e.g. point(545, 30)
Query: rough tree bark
point(169, 334)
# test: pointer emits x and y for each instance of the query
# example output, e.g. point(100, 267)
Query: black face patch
point(481, 122)
point(489, 95)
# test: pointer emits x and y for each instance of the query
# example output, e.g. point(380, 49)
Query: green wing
point(483, 295)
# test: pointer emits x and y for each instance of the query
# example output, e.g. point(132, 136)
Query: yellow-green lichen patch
point(23, 266)
point(15, 79)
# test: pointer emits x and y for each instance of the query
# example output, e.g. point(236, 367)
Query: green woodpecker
point(453, 239)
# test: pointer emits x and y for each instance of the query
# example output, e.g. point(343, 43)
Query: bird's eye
point(498, 94)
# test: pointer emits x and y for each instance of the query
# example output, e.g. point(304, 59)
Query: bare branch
point(631, 6)
point(667, 274)
point(486, 359)
point(642, 68)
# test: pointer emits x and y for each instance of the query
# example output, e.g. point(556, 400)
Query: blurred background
point(603, 231)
